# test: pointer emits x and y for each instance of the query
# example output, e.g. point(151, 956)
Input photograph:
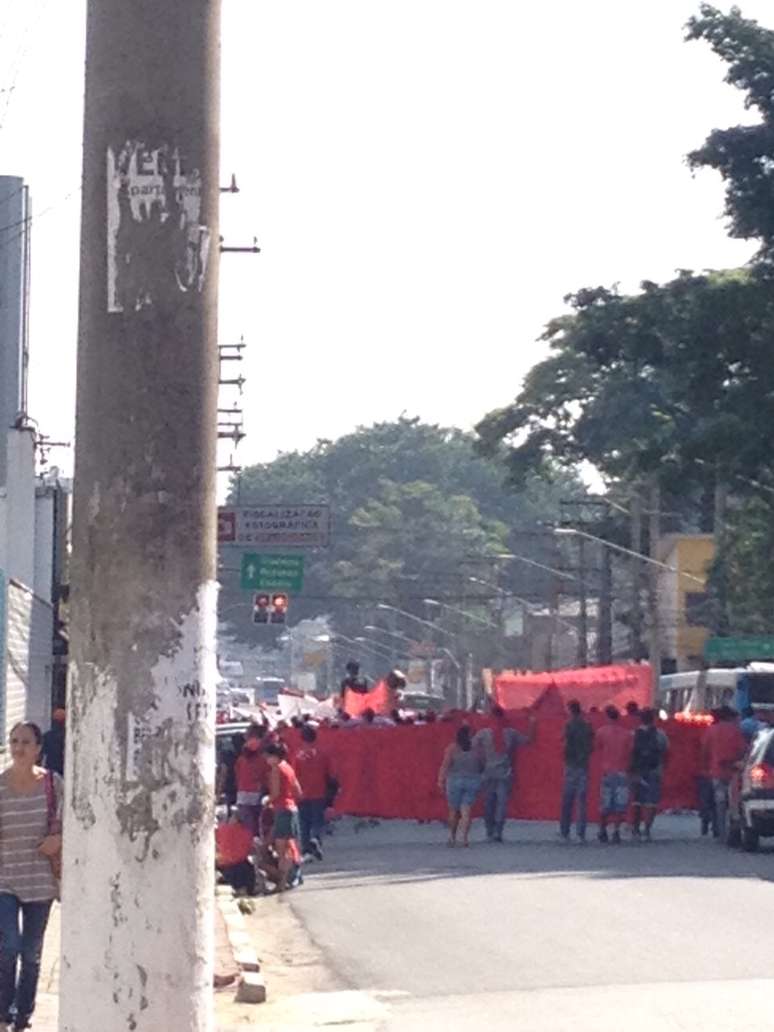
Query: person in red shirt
point(233, 846)
point(723, 747)
point(252, 774)
point(614, 743)
point(313, 770)
point(284, 793)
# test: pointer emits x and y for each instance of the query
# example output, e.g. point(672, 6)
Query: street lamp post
point(460, 612)
point(532, 608)
point(410, 616)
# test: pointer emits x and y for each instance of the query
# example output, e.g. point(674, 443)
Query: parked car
point(751, 795)
point(224, 737)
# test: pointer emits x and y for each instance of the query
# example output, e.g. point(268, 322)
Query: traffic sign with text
point(275, 526)
point(740, 649)
point(272, 572)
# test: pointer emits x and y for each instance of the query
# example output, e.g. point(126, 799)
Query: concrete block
point(240, 941)
point(252, 988)
point(247, 960)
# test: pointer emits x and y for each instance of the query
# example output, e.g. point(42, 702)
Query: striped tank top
point(24, 873)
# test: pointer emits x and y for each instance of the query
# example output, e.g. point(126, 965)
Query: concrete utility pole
point(654, 537)
point(138, 864)
point(635, 619)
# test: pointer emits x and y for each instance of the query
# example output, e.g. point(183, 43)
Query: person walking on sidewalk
point(578, 746)
point(30, 839)
point(615, 746)
point(499, 744)
point(460, 778)
point(650, 749)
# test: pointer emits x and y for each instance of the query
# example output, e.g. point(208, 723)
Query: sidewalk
point(47, 1007)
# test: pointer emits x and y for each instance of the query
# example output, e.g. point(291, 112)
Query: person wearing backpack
point(648, 755)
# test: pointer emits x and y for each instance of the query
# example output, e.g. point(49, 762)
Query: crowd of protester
point(281, 802)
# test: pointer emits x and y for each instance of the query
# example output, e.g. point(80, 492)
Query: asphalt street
point(537, 934)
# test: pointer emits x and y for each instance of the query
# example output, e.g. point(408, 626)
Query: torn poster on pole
point(156, 244)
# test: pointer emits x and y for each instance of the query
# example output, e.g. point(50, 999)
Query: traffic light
point(279, 608)
point(261, 605)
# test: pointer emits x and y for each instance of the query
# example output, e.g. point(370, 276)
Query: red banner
point(393, 772)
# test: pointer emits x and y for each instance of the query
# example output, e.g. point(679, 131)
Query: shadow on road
point(396, 853)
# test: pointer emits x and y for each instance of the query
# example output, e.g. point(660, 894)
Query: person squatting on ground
point(499, 744)
point(284, 793)
point(614, 743)
point(234, 845)
point(313, 770)
point(30, 844)
point(578, 747)
point(460, 778)
point(649, 752)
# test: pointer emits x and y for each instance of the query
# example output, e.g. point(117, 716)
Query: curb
point(251, 987)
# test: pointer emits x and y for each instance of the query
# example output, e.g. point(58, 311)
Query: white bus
point(699, 691)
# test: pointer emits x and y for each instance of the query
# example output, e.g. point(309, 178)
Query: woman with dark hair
point(30, 845)
point(284, 793)
point(460, 777)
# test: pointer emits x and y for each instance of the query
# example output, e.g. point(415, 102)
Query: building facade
point(683, 610)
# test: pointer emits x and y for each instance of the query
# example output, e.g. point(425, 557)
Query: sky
point(426, 179)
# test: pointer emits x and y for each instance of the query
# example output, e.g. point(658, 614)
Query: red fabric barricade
point(393, 772)
point(592, 686)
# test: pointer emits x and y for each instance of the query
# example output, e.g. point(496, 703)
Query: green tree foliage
point(743, 155)
point(744, 570)
point(415, 513)
point(675, 380)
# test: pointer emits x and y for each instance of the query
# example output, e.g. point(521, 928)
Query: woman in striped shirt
point(30, 834)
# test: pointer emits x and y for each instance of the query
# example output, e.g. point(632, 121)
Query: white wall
point(44, 544)
point(26, 611)
point(19, 560)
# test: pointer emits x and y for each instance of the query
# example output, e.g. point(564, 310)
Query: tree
point(743, 155)
point(674, 381)
point(743, 571)
point(413, 505)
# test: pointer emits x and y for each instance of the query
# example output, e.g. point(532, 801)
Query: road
point(535, 935)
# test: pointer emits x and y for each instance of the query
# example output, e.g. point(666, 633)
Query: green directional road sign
point(272, 572)
point(740, 650)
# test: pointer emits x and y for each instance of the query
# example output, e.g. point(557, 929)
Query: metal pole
point(137, 912)
point(583, 620)
point(636, 543)
point(654, 639)
point(605, 617)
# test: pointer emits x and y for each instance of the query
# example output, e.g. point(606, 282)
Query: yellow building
point(682, 602)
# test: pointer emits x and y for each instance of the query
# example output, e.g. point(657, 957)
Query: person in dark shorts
point(649, 752)
point(614, 744)
point(578, 747)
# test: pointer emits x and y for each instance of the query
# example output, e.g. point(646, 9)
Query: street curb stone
point(251, 987)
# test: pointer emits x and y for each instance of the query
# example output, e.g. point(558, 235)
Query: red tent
point(592, 686)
